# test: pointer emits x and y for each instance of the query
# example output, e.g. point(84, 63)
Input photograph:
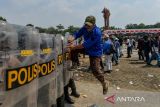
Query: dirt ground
point(130, 74)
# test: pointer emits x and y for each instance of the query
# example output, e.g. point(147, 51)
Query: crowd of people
point(149, 48)
point(96, 44)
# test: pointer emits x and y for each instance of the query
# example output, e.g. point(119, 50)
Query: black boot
point(73, 88)
point(67, 97)
point(105, 88)
point(74, 65)
point(60, 102)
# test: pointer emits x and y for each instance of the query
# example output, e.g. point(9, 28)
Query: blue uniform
point(92, 41)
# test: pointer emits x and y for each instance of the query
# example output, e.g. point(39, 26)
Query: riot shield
point(60, 84)
point(66, 62)
point(19, 68)
point(6, 41)
point(47, 75)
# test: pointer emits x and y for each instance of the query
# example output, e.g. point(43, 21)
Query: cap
point(90, 20)
point(116, 39)
point(105, 35)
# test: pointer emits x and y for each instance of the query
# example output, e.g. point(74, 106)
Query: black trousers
point(146, 53)
point(129, 52)
point(140, 54)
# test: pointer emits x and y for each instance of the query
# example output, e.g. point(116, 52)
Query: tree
point(60, 28)
point(141, 26)
point(30, 25)
point(114, 28)
point(135, 26)
point(51, 30)
point(157, 25)
point(71, 29)
point(41, 30)
point(129, 26)
point(3, 19)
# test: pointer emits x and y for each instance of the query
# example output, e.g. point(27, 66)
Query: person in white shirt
point(129, 46)
point(108, 50)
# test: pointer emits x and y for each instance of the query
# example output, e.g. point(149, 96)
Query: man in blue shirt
point(116, 54)
point(108, 51)
point(93, 47)
point(155, 51)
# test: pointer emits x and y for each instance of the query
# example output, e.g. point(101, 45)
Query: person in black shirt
point(140, 48)
point(146, 48)
point(121, 45)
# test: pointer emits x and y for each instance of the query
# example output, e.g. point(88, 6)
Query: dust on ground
point(131, 73)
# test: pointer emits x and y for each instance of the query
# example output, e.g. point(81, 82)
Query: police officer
point(92, 45)
point(71, 83)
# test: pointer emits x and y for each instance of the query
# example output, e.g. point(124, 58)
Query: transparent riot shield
point(7, 38)
point(66, 62)
point(53, 83)
point(19, 65)
point(60, 82)
point(47, 75)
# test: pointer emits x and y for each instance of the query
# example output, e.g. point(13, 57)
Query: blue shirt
point(92, 41)
point(107, 47)
point(117, 45)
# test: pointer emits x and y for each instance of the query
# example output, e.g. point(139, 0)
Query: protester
point(140, 48)
point(108, 52)
point(155, 51)
point(146, 48)
point(121, 46)
point(129, 46)
point(117, 48)
point(134, 43)
point(92, 46)
point(114, 59)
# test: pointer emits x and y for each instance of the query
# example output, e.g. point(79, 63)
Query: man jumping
point(92, 45)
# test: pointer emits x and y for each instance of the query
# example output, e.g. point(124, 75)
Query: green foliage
point(41, 30)
point(58, 30)
point(60, 27)
point(3, 19)
point(71, 29)
point(30, 25)
point(51, 30)
point(114, 28)
point(110, 28)
point(142, 26)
